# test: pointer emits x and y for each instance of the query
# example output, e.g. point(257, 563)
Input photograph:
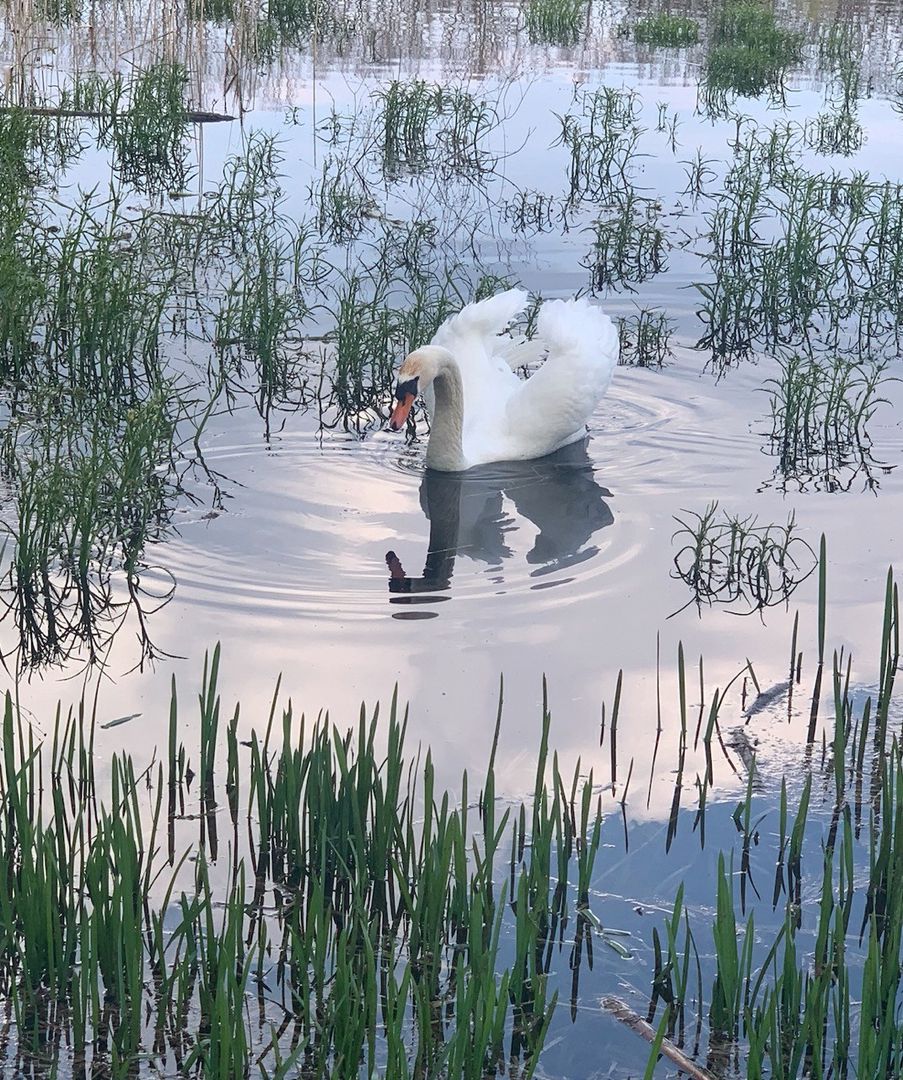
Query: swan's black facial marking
point(402, 389)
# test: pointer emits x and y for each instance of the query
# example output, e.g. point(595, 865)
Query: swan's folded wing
point(554, 405)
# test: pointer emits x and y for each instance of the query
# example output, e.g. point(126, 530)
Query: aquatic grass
point(88, 500)
point(260, 317)
point(666, 31)
point(378, 915)
point(728, 559)
point(344, 202)
point(802, 260)
point(748, 51)
point(556, 22)
point(35, 149)
point(645, 339)
point(699, 171)
point(142, 118)
point(778, 998)
point(629, 244)
point(601, 140)
point(379, 318)
point(430, 126)
point(530, 212)
point(820, 412)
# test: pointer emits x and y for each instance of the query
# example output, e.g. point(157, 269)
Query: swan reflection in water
point(467, 516)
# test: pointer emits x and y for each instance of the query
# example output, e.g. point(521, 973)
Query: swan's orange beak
point(400, 412)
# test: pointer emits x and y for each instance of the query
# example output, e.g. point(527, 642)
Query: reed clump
point(430, 126)
point(800, 260)
point(601, 140)
point(393, 922)
point(748, 51)
point(820, 412)
point(556, 22)
point(778, 992)
point(645, 339)
point(666, 31)
point(629, 245)
point(728, 559)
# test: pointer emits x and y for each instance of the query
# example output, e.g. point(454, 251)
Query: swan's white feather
point(507, 418)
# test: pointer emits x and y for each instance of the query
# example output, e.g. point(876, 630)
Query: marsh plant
point(629, 244)
point(749, 51)
point(820, 412)
point(430, 126)
point(556, 22)
point(645, 339)
point(353, 910)
point(811, 261)
point(601, 140)
point(666, 31)
point(343, 200)
point(780, 989)
point(143, 118)
point(532, 212)
point(94, 484)
point(733, 560)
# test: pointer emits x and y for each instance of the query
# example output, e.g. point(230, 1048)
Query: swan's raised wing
point(554, 405)
point(472, 331)
point(472, 337)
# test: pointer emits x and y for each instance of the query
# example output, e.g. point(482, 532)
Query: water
point(331, 556)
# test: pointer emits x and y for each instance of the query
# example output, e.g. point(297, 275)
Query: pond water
point(313, 544)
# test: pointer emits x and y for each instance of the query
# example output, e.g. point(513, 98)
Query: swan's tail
point(485, 318)
point(578, 327)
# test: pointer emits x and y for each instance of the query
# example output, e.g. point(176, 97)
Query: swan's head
point(416, 373)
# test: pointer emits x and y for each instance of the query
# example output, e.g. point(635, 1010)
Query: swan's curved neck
point(445, 450)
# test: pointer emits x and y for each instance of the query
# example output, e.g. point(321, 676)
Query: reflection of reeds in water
point(820, 412)
point(380, 912)
point(728, 559)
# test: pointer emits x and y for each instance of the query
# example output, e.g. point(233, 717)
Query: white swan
point(480, 411)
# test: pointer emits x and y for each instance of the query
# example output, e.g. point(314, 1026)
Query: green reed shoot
point(749, 51)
